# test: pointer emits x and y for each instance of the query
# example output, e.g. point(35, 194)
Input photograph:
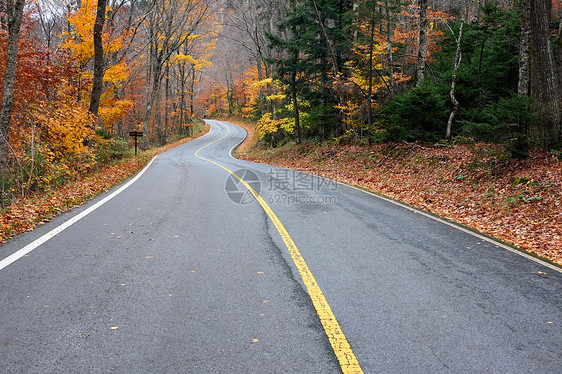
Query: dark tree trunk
point(544, 83)
point(14, 14)
point(191, 98)
point(166, 99)
point(370, 72)
point(153, 99)
point(97, 86)
point(296, 113)
point(182, 95)
point(262, 91)
point(559, 59)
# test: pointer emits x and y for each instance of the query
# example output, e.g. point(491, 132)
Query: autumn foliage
point(53, 138)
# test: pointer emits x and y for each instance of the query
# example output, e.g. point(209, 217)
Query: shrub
point(418, 114)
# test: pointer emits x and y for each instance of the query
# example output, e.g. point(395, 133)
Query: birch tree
point(422, 36)
point(454, 101)
point(524, 49)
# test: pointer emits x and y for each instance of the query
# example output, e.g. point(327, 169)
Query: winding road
point(207, 264)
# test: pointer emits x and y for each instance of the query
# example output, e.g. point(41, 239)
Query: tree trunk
point(182, 95)
point(333, 58)
point(97, 86)
point(158, 115)
point(15, 14)
point(390, 34)
point(296, 114)
point(167, 98)
point(454, 101)
point(152, 100)
point(524, 49)
point(422, 50)
point(544, 83)
point(191, 98)
point(370, 70)
point(559, 59)
point(262, 90)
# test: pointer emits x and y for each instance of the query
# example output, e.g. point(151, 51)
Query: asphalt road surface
point(185, 271)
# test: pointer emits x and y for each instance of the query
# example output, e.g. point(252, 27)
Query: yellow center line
point(340, 345)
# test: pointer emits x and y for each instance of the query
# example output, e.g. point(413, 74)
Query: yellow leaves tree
point(79, 42)
point(253, 90)
point(268, 127)
point(171, 26)
point(189, 61)
point(64, 131)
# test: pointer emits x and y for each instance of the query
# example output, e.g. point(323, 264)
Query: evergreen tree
point(315, 46)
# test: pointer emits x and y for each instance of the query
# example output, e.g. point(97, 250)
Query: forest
point(78, 75)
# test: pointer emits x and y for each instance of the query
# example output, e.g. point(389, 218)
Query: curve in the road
point(346, 358)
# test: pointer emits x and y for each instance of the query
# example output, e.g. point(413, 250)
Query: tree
point(456, 64)
point(170, 24)
point(422, 49)
point(14, 11)
point(247, 23)
point(97, 86)
point(544, 83)
point(524, 49)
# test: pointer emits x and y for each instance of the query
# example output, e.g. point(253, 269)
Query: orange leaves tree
point(49, 135)
point(47, 129)
point(79, 42)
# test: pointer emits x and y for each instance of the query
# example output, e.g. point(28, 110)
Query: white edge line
point(230, 153)
point(237, 144)
point(37, 242)
point(438, 219)
point(456, 226)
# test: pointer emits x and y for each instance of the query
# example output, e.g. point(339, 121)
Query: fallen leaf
point(114, 327)
point(517, 201)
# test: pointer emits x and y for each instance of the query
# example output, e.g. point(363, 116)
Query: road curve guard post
point(135, 134)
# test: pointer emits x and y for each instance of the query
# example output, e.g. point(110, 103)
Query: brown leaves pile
point(30, 211)
point(516, 201)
